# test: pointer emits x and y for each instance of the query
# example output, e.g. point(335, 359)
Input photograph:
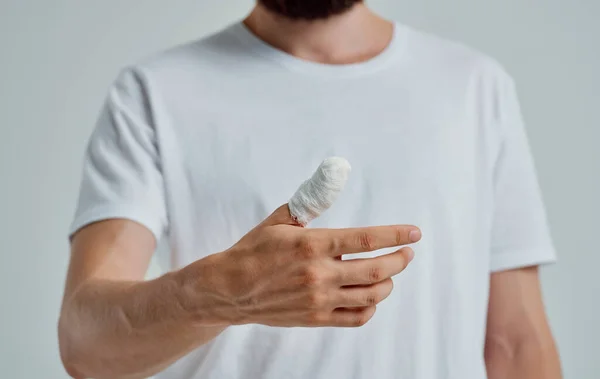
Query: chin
point(309, 10)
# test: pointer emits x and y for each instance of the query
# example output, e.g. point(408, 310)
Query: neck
point(354, 36)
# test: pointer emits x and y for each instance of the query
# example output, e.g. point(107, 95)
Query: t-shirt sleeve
point(520, 231)
point(121, 175)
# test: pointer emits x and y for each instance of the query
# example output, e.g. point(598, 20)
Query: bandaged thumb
point(318, 193)
point(315, 195)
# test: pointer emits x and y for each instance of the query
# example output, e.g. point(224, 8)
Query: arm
point(113, 324)
point(519, 343)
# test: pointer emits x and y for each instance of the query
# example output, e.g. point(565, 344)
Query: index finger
point(358, 240)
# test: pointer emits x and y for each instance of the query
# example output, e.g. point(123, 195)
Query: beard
point(308, 9)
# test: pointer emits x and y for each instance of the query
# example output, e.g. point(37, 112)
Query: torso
point(236, 145)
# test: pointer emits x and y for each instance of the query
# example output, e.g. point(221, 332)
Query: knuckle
point(375, 274)
point(372, 299)
point(249, 302)
point(307, 247)
point(312, 276)
point(400, 236)
point(334, 245)
point(366, 241)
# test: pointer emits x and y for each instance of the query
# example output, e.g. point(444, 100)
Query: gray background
point(58, 57)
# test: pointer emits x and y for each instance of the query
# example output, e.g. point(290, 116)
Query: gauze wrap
point(319, 192)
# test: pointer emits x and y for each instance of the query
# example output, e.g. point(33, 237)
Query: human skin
point(115, 325)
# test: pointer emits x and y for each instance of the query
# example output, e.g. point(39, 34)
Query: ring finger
point(364, 296)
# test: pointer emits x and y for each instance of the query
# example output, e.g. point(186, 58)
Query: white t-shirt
point(202, 142)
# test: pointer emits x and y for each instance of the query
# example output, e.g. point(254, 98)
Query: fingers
point(364, 296)
point(373, 270)
point(349, 317)
point(314, 196)
point(318, 193)
point(357, 240)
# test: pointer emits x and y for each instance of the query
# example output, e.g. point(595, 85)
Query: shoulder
point(216, 46)
point(453, 59)
point(459, 72)
point(473, 82)
point(198, 57)
point(181, 70)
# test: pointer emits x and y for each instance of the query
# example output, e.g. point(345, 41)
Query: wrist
point(198, 292)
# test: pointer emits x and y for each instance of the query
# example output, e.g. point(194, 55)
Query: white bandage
point(319, 192)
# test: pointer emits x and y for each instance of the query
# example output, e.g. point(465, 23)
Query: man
point(205, 142)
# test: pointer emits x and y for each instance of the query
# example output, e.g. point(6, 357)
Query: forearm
point(115, 330)
point(524, 359)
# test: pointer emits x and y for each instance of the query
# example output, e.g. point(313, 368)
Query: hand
point(280, 274)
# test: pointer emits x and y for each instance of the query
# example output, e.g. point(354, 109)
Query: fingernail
point(410, 255)
point(414, 235)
